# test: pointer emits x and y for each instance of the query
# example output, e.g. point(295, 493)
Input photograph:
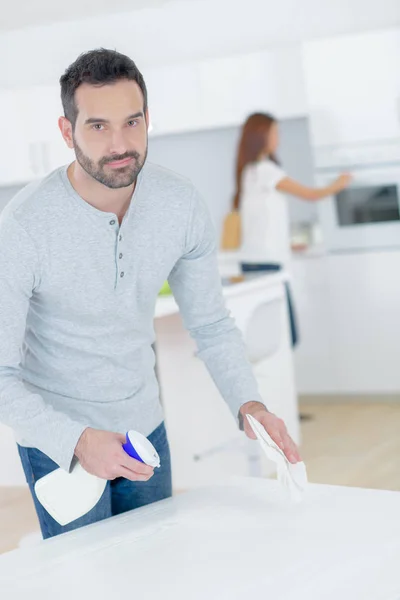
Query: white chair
point(262, 330)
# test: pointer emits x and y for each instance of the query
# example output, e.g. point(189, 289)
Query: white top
point(240, 540)
point(265, 218)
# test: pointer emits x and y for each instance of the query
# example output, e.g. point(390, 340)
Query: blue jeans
point(119, 496)
point(273, 268)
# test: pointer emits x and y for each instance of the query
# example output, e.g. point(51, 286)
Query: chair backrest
point(263, 331)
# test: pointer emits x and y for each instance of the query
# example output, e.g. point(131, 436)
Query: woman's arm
point(289, 186)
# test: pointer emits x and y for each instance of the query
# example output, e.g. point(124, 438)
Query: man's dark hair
point(97, 67)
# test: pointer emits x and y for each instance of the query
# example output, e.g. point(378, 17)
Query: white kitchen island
point(236, 541)
point(205, 441)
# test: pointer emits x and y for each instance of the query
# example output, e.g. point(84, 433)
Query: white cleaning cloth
point(292, 477)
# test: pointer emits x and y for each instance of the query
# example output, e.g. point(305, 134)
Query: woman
point(261, 186)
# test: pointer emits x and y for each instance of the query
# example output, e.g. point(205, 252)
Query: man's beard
point(114, 178)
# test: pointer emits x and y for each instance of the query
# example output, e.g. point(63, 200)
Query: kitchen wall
point(208, 159)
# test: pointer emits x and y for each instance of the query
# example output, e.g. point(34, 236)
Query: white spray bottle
point(69, 496)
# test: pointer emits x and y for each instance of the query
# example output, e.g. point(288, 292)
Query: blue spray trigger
point(137, 446)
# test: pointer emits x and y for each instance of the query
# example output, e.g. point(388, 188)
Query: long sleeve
point(197, 288)
point(52, 432)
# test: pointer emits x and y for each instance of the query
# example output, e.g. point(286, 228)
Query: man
point(83, 254)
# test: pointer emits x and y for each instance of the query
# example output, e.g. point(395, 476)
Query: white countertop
point(166, 305)
point(311, 252)
point(230, 542)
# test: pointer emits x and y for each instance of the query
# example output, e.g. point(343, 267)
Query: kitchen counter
point(310, 252)
point(234, 541)
point(348, 311)
point(232, 286)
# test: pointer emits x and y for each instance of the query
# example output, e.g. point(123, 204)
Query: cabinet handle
point(32, 158)
point(45, 158)
point(39, 159)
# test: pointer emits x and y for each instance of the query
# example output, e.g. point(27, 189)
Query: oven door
point(366, 215)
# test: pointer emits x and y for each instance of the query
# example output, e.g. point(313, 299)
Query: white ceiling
point(42, 12)
point(298, 14)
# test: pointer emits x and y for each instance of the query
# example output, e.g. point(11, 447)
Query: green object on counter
point(165, 290)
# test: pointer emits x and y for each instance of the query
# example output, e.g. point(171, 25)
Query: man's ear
point(147, 119)
point(66, 131)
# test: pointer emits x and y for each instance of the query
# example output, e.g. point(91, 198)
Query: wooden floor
point(17, 516)
point(354, 444)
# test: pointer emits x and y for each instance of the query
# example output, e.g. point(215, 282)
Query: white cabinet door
point(174, 98)
point(32, 143)
point(44, 105)
point(234, 87)
point(43, 134)
point(365, 321)
point(16, 154)
point(353, 87)
point(314, 360)
point(289, 95)
point(223, 92)
point(349, 320)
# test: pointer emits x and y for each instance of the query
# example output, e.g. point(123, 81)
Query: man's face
point(110, 134)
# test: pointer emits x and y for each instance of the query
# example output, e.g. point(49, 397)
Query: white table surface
point(236, 541)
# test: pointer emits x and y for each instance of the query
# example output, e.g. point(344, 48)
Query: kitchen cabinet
point(270, 81)
point(232, 88)
point(43, 132)
point(16, 154)
point(223, 92)
point(314, 364)
point(353, 87)
point(174, 98)
point(33, 143)
point(365, 321)
point(349, 322)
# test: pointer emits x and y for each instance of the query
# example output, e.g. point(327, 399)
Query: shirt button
point(112, 222)
point(121, 255)
point(120, 238)
point(121, 274)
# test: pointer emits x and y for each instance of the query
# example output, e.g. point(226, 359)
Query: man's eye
point(98, 126)
point(132, 123)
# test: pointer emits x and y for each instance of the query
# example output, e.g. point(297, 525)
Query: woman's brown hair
point(253, 142)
